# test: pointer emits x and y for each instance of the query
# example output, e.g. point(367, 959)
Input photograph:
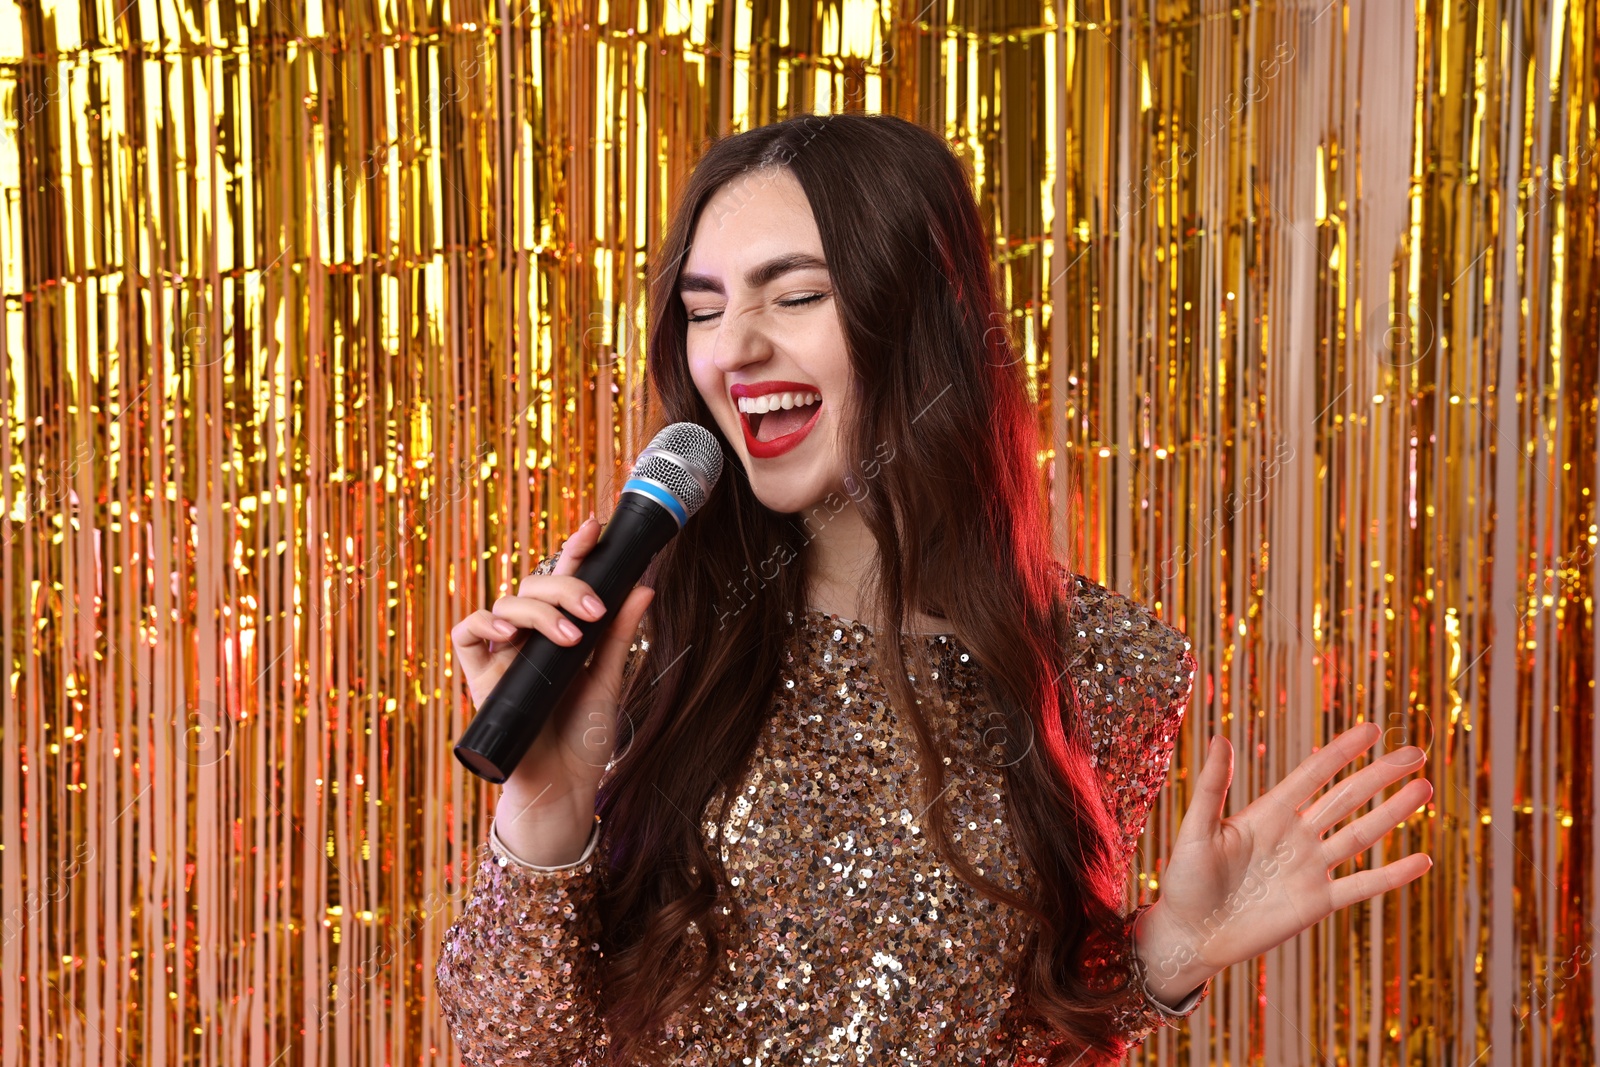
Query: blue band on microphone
point(660, 496)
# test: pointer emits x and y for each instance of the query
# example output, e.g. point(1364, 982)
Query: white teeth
point(758, 405)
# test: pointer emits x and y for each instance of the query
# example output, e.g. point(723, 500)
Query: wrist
point(543, 835)
point(1170, 958)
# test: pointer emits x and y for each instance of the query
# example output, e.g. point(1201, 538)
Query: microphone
point(671, 480)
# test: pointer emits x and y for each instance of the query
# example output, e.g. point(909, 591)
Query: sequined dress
point(860, 947)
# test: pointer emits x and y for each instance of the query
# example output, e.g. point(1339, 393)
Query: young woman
point(858, 771)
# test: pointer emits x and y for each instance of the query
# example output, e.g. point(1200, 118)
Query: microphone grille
point(685, 459)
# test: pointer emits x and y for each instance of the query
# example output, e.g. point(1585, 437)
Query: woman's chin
point(787, 498)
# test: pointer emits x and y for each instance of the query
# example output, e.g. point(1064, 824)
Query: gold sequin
point(860, 946)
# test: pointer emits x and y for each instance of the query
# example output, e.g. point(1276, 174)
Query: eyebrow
point(756, 276)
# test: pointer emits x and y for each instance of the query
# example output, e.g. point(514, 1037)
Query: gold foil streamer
point(322, 327)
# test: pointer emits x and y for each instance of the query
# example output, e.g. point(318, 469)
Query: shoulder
point(1118, 649)
point(1132, 674)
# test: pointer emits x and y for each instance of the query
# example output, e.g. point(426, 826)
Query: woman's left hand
point(1236, 887)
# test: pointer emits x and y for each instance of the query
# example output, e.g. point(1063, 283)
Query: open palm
point(1237, 886)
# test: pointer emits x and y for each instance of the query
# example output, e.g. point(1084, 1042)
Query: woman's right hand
point(547, 806)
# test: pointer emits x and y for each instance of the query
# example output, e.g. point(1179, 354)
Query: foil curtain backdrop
point(322, 327)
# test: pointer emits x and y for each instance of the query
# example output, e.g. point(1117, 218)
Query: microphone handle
point(512, 715)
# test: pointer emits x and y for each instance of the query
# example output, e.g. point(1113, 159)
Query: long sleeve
point(1133, 675)
point(519, 975)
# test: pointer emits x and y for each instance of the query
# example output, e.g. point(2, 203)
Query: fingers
point(532, 613)
point(1210, 790)
point(1354, 791)
point(537, 595)
point(1360, 835)
point(1317, 769)
point(577, 546)
point(471, 637)
point(540, 596)
point(568, 591)
point(1363, 885)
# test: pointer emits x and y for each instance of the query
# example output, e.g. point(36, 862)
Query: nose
point(741, 340)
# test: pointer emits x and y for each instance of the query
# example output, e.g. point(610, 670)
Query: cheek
point(704, 380)
point(709, 387)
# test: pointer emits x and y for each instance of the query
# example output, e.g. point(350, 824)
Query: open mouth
point(778, 414)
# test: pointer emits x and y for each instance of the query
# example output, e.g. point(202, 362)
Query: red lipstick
point(779, 445)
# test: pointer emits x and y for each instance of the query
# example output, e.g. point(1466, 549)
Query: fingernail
point(569, 631)
point(592, 605)
point(504, 629)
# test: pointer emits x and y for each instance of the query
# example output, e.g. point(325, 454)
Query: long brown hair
point(960, 526)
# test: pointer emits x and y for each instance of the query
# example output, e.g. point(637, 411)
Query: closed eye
point(782, 303)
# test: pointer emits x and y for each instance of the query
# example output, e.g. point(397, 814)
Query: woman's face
point(764, 330)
